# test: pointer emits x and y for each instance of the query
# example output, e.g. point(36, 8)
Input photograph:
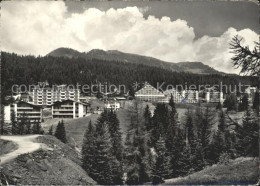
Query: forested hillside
point(61, 70)
point(115, 55)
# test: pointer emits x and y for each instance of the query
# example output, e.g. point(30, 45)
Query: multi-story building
point(177, 96)
point(185, 96)
point(149, 93)
point(190, 96)
point(214, 97)
point(69, 109)
point(112, 105)
point(47, 96)
point(22, 109)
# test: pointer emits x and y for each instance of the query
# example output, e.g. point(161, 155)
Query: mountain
point(114, 55)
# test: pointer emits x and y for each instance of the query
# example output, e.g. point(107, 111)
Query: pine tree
point(248, 144)
point(231, 102)
point(161, 168)
point(115, 134)
point(172, 104)
point(103, 169)
point(147, 118)
point(27, 127)
point(204, 132)
point(60, 132)
point(37, 129)
point(14, 123)
point(89, 150)
point(243, 105)
point(160, 122)
point(116, 150)
point(50, 132)
point(22, 124)
point(136, 152)
point(108, 122)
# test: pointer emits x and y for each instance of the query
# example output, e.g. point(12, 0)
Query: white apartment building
point(47, 96)
point(185, 96)
point(69, 109)
point(23, 109)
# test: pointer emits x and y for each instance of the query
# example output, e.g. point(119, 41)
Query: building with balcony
point(150, 94)
point(47, 96)
point(190, 96)
point(22, 109)
point(177, 95)
point(69, 109)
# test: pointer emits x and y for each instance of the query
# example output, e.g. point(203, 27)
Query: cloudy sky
point(170, 31)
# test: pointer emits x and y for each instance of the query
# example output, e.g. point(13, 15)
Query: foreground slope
point(59, 164)
point(239, 171)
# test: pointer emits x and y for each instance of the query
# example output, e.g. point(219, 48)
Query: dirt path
point(26, 144)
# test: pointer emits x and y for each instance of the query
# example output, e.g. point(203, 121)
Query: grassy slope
point(238, 171)
point(75, 128)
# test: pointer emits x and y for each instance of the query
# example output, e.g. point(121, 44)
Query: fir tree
point(147, 118)
point(102, 171)
point(27, 127)
point(160, 122)
point(37, 129)
point(89, 150)
point(60, 132)
point(204, 132)
point(231, 102)
point(50, 131)
point(22, 124)
point(14, 123)
point(172, 104)
point(248, 144)
point(115, 134)
point(243, 105)
point(136, 151)
point(161, 168)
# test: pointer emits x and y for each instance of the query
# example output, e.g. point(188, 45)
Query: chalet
point(31, 112)
point(149, 93)
point(69, 109)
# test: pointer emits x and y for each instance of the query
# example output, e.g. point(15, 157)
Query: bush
point(224, 158)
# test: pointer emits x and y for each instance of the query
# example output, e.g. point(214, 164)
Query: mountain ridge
point(115, 55)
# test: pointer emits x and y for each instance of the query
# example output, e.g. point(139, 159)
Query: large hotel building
point(149, 93)
point(47, 96)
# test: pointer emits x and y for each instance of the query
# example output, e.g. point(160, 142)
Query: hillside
point(114, 55)
point(241, 171)
point(59, 165)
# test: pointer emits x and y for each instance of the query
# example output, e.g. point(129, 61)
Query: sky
point(170, 31)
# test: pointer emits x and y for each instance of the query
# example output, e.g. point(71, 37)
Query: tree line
point(158, 146)
point(29, 70)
